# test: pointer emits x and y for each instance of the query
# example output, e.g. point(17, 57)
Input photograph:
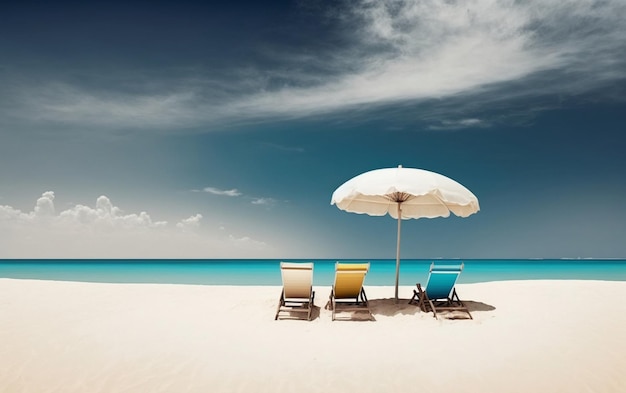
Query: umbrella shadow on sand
point(390, 307)
point(478, 306)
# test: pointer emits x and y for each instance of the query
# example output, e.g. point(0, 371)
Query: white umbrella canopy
point(404, 193)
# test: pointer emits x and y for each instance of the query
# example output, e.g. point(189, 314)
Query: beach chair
point(297, 295)
point(347, 293)
point(440, 293)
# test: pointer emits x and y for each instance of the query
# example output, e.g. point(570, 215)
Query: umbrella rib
point(399, 196)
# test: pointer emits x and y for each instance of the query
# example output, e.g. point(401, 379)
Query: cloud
point(245, 241)
point(216, 191)
point(263, 201)
point(394, 51)
point(105, 231)
point(105, 218)
point(424, 50)
point(9, 214)
point(45, 204)
point(456, 124)
point(191, 222)
point(72, 104)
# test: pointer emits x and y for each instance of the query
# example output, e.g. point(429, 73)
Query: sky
point(221, 129)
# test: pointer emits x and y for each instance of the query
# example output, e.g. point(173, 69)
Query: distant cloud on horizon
point(398, 51)
point(104, 231)
point(105, 216)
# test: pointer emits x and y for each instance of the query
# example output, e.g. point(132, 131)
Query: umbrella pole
point(398, 248)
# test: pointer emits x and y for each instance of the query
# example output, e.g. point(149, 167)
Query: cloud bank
point(105, 231)
point(396, 51)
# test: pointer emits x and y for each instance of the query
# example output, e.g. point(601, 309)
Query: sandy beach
point(526, 336)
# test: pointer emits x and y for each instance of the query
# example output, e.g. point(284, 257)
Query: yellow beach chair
point(297, 295)
point(347, 293)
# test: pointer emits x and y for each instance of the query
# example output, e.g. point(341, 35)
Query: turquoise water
point(267, 272)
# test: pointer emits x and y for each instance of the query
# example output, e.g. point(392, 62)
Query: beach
point(525, 336)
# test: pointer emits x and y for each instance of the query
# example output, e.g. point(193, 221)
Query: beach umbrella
point(404, 193)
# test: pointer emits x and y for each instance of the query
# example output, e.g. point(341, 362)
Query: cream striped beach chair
point(297, 295)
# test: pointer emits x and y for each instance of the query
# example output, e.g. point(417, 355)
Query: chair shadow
point(388, 307)
point(363, 315)
point(299, 316)
point(315, 313)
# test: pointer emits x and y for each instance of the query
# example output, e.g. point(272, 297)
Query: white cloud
point(191, 222)
point(416, 50)
point(399, 51)
point(456, 124)
point(66, 103)
point(45, 204)
point(7, 213)
point(105, 217)
point(263, 201)
point(105, 231)
point(245, 241)
point(216, 191)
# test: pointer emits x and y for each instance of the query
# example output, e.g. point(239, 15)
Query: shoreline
point(537, 335)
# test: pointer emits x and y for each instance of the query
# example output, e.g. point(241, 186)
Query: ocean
point(267, 271)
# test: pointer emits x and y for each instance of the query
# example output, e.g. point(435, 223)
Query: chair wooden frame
point(448, 302)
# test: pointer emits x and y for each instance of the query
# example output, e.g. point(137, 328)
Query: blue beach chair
point(440, 293)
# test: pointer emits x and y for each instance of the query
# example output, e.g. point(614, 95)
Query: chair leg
point(414, 298)
point(281, 302)
point(422, 302)
point(456, 295)
point(363, 296)
point(331, 303)
point(420, 296)
point(432, 306)
point(311, 303)
point(330, 299)
point(423, 298)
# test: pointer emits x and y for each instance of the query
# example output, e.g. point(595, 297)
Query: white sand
point(537, 336)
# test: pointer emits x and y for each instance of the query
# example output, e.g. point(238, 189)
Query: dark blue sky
point(221, 130)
